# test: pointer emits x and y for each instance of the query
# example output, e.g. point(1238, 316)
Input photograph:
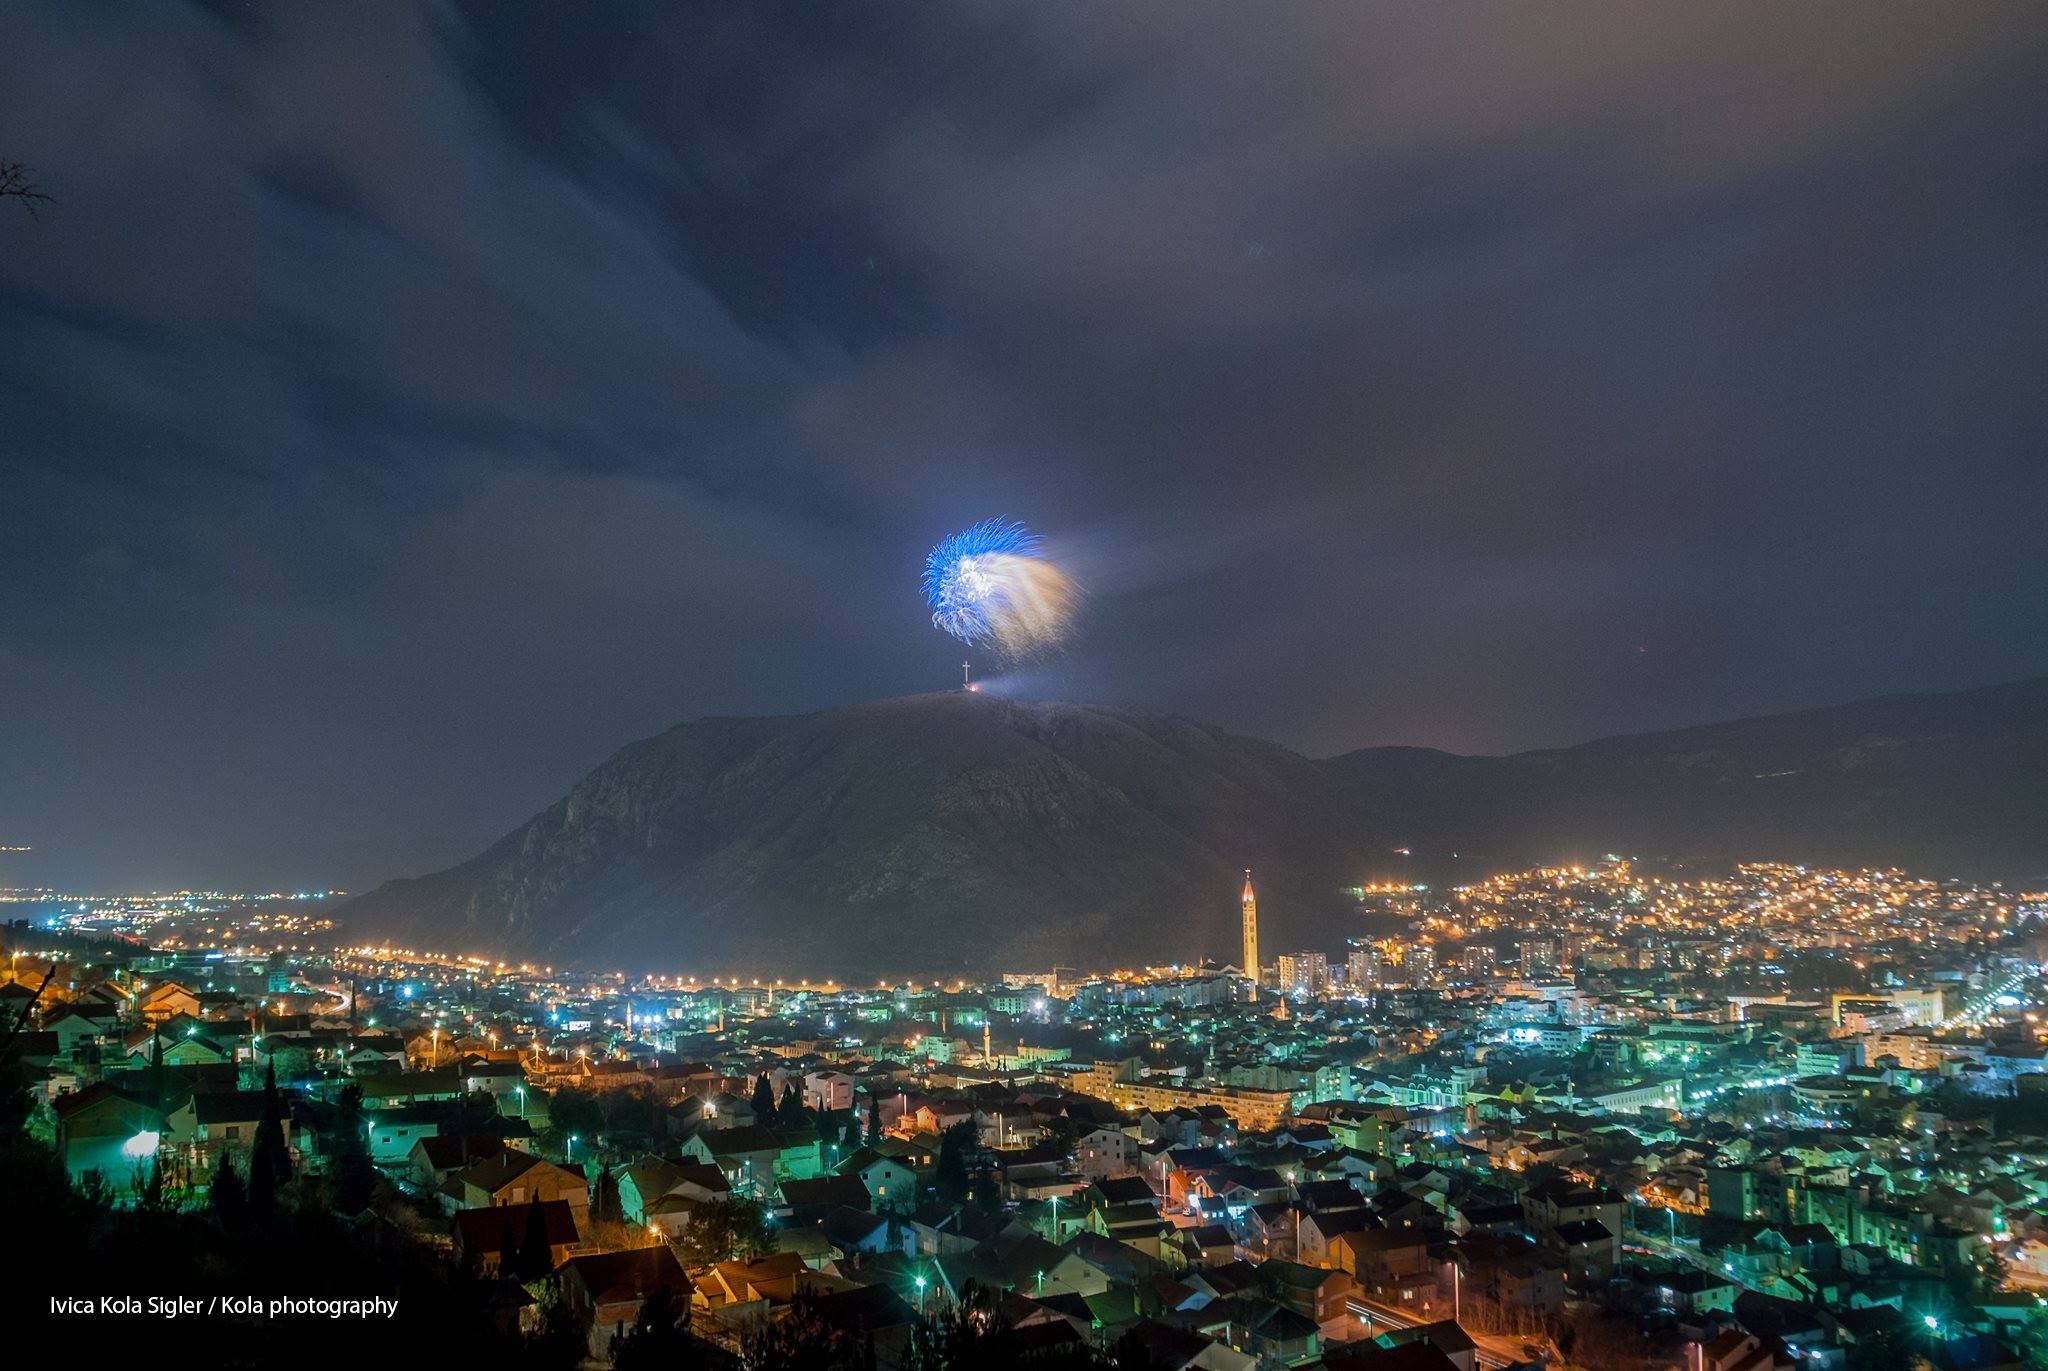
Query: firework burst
point(991, 586)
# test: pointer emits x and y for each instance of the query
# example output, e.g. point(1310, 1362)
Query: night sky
point(405, 407)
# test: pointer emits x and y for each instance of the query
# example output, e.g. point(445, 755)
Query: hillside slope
point(955, 832)
point(932, 832)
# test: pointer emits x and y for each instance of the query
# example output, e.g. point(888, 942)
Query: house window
point(232, 1132)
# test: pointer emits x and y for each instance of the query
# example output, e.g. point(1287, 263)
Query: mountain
point(929, 833)
point(1953, 784)
point(959, 832)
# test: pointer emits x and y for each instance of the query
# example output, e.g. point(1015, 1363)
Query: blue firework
point(965, 596)
point(993, 586)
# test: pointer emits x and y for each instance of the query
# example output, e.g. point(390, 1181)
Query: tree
point(972, 1332)
point(790, 1112)
point(605, 1205)
point(659, 1339)
point(725, 1230)
point(270, 1160)
point(353, 1176)
point(226, 1196)
point(508, 1251)
point(474, 1115)
point(536, 1254)
point(575, 1111)
point(764, 1099)
point(17, 182)
point(805, 1340)
point(1597, 1341)
point(874, 1119)
point(563, 1339)
point(608, 1226)
point(1129, 1353)
point(950, 1177)
point(149, 1189)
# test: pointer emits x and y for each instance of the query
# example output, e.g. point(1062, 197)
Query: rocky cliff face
point(962, 833)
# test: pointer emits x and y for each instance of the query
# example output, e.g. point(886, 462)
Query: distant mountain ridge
point(1948, 784)
point(957, 832)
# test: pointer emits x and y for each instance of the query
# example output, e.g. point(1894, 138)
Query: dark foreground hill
point(956, 832)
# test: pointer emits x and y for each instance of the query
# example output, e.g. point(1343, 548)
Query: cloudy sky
point(406, 405)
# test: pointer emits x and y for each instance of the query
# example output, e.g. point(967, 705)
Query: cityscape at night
point(1030, 687)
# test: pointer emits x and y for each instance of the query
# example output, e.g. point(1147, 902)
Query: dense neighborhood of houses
point(1536, 1170)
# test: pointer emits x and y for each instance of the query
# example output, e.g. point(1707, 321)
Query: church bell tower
point(1251, 933)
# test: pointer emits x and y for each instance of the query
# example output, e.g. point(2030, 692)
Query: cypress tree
point(270, 1160)
point(950, 1177)
point(764, 1099)
point(230, 1201)
point(351, 1172)
point(607, 1205)
point(511, 1257)
point(536, 1256)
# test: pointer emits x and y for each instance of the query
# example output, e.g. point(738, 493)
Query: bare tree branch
point(17, 183)
point(21, 1019)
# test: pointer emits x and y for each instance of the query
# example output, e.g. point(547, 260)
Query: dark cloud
point(406, 405)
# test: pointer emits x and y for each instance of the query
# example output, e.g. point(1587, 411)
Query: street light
point(919, 1283)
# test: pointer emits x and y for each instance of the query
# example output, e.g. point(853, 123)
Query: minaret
point(1251, 933)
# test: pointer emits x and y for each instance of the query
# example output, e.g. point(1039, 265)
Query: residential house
point(485, 1235)
point(393, 1133)
point(828, 1091)
point(1393, 1266)
point(514, 1177)
point(434, 1159)
point(1106, 1151)
point(891, 1185)
point(215, 1122)
point(105, 1129)
point(605, 1290)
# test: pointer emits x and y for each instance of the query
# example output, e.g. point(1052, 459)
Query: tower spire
point(1251, 933)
